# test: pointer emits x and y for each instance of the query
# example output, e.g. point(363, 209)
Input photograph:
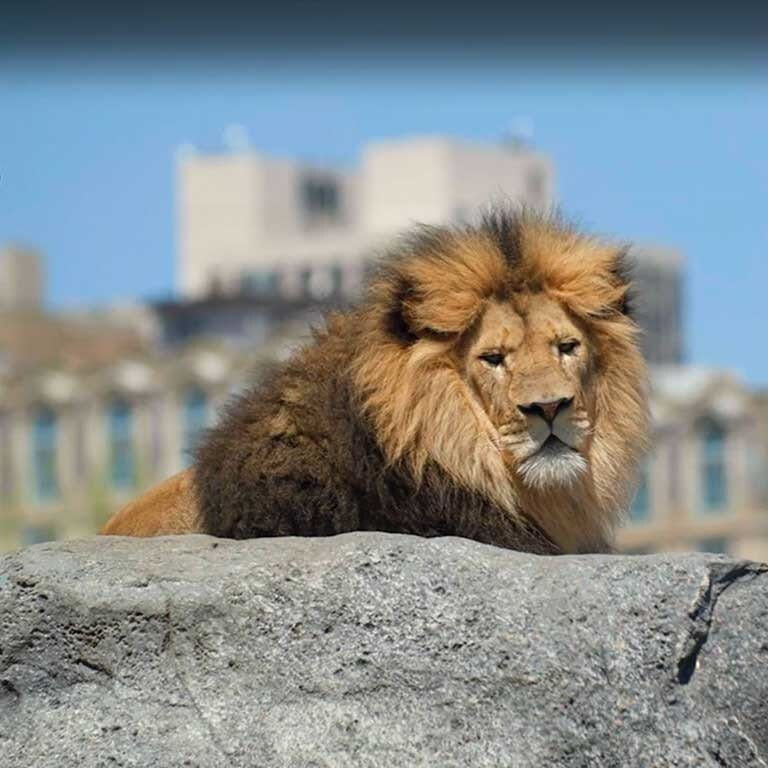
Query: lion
point(489, 386)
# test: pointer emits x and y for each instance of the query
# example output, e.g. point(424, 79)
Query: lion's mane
point(371, 427)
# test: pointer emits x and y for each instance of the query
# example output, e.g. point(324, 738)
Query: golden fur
point(166, 509)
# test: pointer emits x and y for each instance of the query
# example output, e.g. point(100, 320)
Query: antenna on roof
point(519, 132)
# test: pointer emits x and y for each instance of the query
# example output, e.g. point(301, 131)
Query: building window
point(121, 454)
point(156, 433)
point(44, 462)
point(717, 545)
point(79, 436)
point(713, 471)
point(195, 415)
point(215, 287)
point(6, 466)
point(640, 508)
point(305, 281)
point(320, 196)
point(673, 471)
point(756, 460)
point(265, 283)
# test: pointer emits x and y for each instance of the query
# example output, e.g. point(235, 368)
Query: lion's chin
point(554, 465)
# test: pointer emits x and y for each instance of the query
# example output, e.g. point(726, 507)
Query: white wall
point(221, 213)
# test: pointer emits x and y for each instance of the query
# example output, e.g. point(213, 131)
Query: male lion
point(489, 386)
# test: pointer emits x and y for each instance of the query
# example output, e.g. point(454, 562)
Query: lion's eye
point(493, 358)
point(567, 347)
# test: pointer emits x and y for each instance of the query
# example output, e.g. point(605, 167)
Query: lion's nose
point(547, 409)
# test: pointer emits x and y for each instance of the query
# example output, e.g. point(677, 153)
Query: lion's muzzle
point(547, 409)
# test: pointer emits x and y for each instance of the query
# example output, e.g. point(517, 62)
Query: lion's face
point(528, 364)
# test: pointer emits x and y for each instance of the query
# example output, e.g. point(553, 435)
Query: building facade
point(21, 279)
point(74, 447)
point(703, 483)
point(251, 222)
point(657, 298)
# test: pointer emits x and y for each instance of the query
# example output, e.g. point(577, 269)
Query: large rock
point(377, 650)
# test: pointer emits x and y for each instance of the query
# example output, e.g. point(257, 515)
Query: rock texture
point(377, 650)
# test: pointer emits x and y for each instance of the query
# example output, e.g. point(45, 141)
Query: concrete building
point(658, 299)
point(77, 442)
point(247, 221)
point(21, 279)
point(246, 319)
point(703, 484)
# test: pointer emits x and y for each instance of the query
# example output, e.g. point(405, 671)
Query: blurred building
point(760, 460)
point(250, 223)
point(703, 485)
point(77, 441)
point(21, 279)
point(657, 274)
point(247, 319)
point(35, 341)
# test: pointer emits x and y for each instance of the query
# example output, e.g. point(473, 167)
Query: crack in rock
point(719, 579)
point(169, 646)
point(95, 666)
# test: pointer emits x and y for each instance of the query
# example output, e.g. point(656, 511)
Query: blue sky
point(654, 151)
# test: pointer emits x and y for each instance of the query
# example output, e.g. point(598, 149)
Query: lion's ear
point(429, 309)
point(441, 312)
point(441, 282)
point(443, 291)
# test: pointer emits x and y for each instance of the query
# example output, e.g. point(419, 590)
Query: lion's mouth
point(554, 445)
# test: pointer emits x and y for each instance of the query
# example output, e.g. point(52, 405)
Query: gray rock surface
point(377, 650)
